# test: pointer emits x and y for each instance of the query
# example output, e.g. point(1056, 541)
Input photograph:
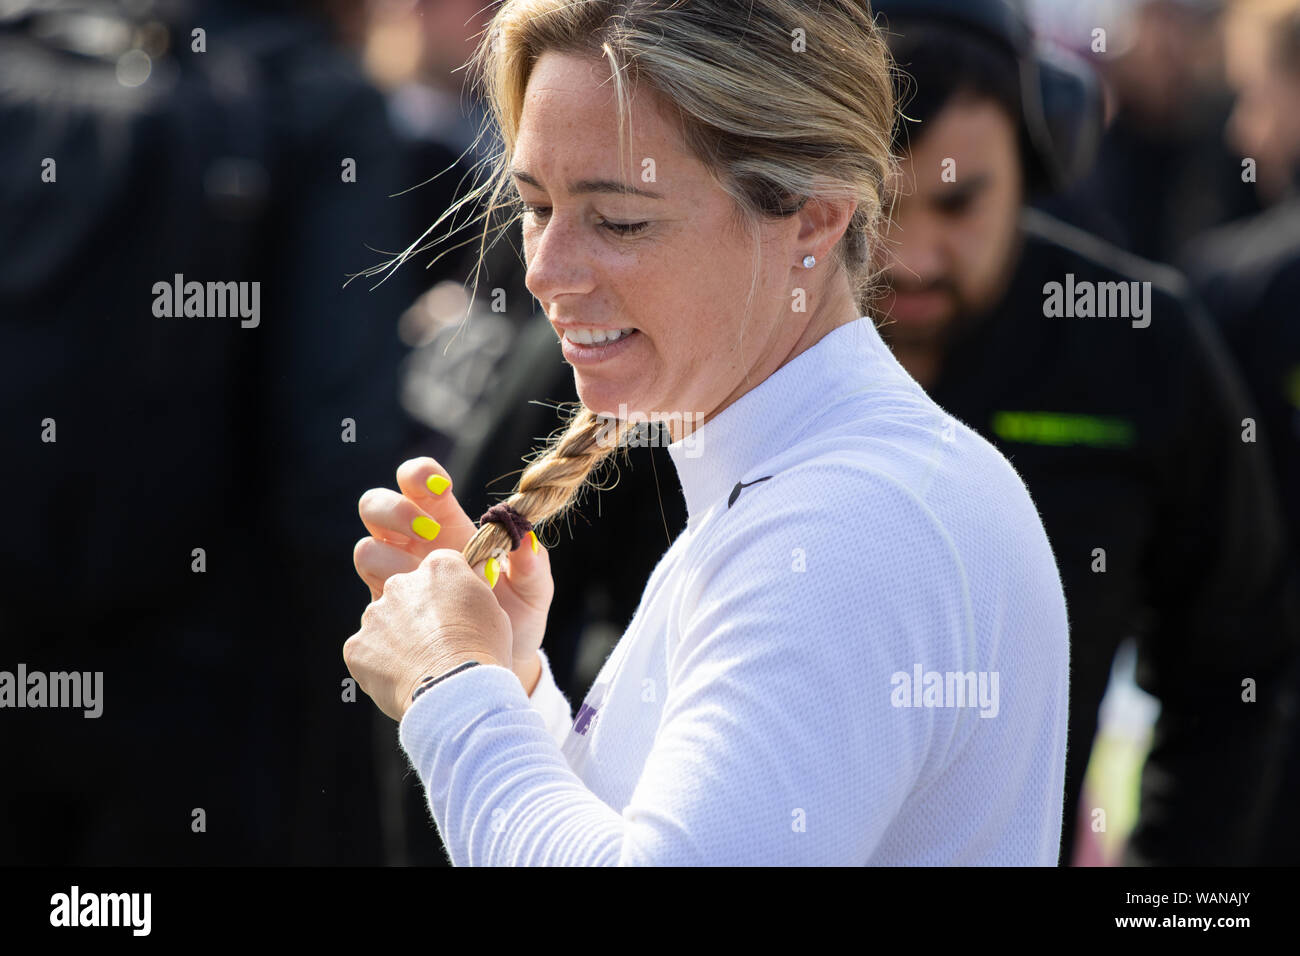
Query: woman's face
point(651, 248)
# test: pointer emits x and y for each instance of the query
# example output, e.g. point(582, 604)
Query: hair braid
point(551, 483)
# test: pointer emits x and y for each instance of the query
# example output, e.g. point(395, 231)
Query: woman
point(813, 674)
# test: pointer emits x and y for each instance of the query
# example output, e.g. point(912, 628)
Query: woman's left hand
point(426, 622)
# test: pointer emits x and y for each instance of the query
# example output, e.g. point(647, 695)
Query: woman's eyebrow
point(591, 186)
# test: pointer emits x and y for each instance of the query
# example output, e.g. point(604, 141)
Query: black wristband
point(427, 682)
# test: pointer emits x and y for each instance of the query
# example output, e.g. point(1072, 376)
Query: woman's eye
point(625, 228)
point(618, 228)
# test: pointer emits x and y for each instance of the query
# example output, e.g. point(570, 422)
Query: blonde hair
point(781, 99)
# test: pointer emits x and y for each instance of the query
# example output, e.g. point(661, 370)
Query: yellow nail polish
point(490, 571)
point(532, 539)
point(437, 484)
point(425, 527)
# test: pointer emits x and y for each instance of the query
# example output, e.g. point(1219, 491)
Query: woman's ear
point(822, 222)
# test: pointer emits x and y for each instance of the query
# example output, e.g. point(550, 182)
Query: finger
point(528, 570)
point(377, 561)
point(392, 517)
point(436, 499)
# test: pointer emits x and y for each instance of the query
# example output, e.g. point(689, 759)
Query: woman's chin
point(606, 398)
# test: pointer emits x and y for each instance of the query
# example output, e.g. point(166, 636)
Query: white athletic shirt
point(861, 660)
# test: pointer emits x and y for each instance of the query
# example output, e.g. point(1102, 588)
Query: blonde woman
point(856, 651)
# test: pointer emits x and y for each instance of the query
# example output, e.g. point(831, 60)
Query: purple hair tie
point(516, 525)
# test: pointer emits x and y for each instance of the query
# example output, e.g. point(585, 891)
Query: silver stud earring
point(809, 261)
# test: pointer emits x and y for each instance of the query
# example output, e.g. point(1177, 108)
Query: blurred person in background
point(414, 51)
point(135, 150)
point(1164, 523)
point(1163, 172)
point(1248, 273)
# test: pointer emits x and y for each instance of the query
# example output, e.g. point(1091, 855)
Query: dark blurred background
point(225, 689)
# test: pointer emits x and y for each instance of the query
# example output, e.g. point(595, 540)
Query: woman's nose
point(558, 261)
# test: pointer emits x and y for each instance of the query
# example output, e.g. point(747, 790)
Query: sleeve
point(1222, 615)
point(550, 702)
point(778, 743)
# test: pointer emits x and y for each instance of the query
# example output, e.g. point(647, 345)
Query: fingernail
point(532, 539)
point(490, 571)
point(425, 527)
point(437, 484)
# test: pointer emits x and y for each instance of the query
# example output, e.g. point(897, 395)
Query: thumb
point(529, 572)
point(526, 566)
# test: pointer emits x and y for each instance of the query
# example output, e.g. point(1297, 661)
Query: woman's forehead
point(561, 153)
point(573, 100)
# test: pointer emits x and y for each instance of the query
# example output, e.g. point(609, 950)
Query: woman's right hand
point(400, 526)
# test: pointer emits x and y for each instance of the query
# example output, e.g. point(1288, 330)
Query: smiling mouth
point(595, 336)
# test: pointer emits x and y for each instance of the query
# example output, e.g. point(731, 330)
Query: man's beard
point(926, 333)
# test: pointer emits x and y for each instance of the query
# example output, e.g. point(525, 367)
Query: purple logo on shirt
point(583, 721)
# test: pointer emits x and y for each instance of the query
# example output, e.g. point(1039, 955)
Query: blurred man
point(1163, 173)
point(1094, 372)
point(1249, 276)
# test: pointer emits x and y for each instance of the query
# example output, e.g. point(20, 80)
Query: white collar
point(773, 415)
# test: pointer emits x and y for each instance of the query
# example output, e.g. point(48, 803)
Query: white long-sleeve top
point(862, 659)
